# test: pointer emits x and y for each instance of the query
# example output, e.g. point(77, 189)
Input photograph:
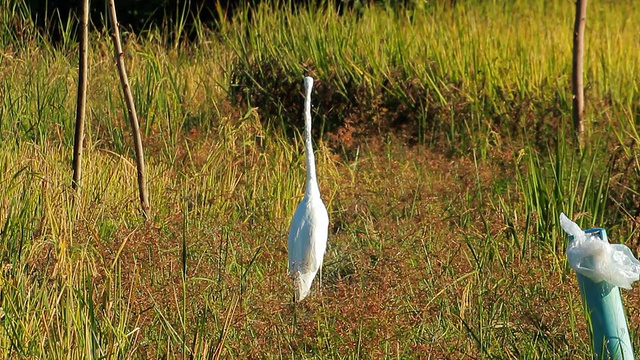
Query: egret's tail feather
point(302, 284)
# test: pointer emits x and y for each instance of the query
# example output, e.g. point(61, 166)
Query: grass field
point(444, 155)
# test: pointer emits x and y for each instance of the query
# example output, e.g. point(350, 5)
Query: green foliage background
point(444, 155)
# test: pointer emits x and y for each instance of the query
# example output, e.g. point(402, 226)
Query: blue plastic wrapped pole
point(605, 314)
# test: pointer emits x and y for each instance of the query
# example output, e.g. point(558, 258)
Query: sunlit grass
point(447, 247)
point(461, 70)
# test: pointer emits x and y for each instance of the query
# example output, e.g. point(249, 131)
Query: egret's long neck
point(312, 181)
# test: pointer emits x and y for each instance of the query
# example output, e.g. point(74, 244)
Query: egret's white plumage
point(310, 225)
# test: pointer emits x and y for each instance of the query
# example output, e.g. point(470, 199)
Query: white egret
point(310, 225)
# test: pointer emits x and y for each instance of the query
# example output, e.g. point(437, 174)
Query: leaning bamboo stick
point(133, 117)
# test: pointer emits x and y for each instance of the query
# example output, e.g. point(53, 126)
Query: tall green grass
point(450, 248)
point(460, 70)
point(563, 181)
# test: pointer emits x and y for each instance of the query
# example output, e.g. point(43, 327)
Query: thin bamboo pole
point(577, 70)
point(133, 117)
point(81, 103)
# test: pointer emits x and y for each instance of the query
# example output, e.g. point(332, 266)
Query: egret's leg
point(294, 282)
point(295, 315)
point(320, 279)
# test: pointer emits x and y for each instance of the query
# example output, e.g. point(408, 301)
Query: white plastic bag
point(598, 260)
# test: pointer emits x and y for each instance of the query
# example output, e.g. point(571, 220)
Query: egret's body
point(310, 225)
